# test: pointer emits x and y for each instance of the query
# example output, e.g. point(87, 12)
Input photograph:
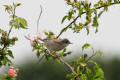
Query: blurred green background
point(51, 70)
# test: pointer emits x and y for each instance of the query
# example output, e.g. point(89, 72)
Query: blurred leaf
point(83, 77)
point(85, 46)
point(18, 4)
point(88, 31)
point(5, 60)
point(10, 54)
point(100, 52)
point(116, 1)
point(61, 54)
point(83, 64)
point(58, 61)
point(78, 69)
point(89, 74)
point(98, 73)
point(6, 7)
point(38, 54)
point(4, 76)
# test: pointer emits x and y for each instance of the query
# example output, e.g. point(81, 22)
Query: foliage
point(6, 41)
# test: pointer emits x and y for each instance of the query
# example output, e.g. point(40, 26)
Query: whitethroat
point(55, 44)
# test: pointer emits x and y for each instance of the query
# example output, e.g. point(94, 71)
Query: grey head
point(66, 41)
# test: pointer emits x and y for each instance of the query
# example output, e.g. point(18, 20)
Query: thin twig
point(39, 19)
point(62, 61)
point(78, 17)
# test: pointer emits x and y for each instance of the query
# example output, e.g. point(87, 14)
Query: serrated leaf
point(85, 46)
point(65, 17)
point(10, 54)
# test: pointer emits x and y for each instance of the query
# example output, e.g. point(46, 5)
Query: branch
point(67, 65)
point(62, 61)
point(13, 13)
point(78, 17)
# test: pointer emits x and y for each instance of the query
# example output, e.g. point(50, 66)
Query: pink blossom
point(34, 39)
point(12, 72)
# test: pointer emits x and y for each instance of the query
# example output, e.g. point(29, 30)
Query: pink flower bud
point(12, 72)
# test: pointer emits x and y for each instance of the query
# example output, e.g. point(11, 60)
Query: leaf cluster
point(5, 40)
point(88, 11)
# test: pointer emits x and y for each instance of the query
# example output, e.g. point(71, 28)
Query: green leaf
point(5, 60)
point(85, 46)
point(70, 15)
point(64, 19)
point(80, 11)
point(38, 54)
point(95, 21)
point(89, 74)
point(116, 1)
point(58, 60)
point(61, 54)
point(10, 54)
point(101, 12)
point(4, 76)
point(98, 73)
point(21, 22)
point(83, 77)
point(88, 31)
point(6, 7)
point(106, 8)
point(18, 4)
point(100, 52)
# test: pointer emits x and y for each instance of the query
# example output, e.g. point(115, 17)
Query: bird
point(55, 44)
